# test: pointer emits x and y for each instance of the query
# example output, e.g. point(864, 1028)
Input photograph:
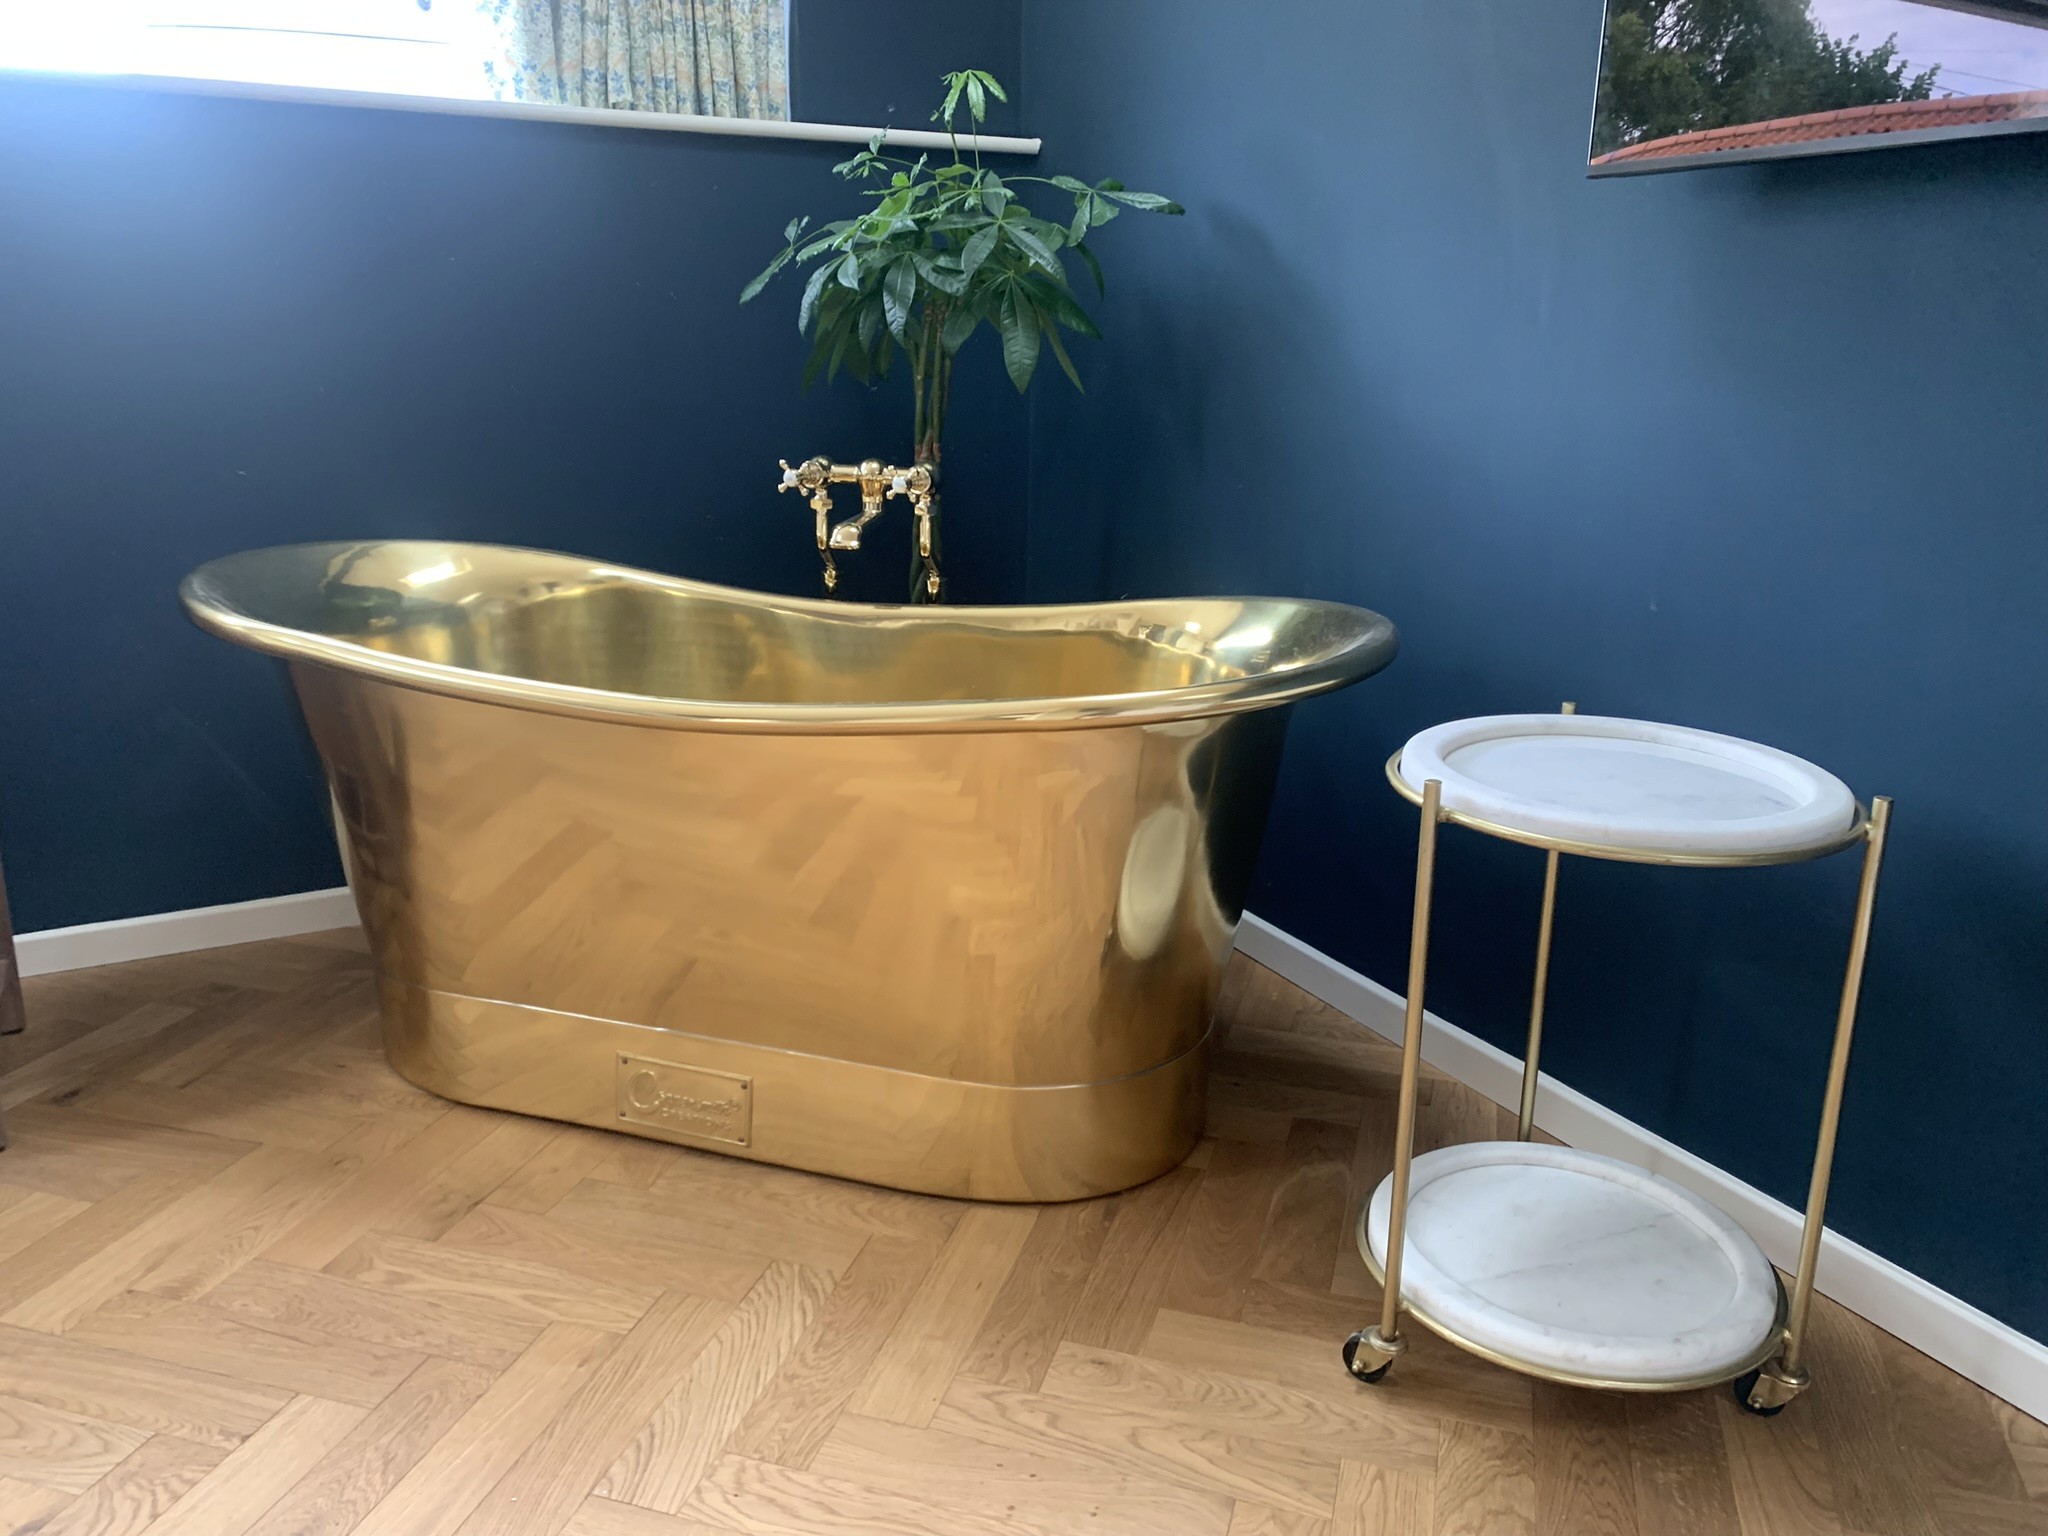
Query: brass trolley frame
point(1770, 1381)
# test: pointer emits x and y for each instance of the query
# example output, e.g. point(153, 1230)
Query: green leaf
point(995, 197)
point(849, 271)
point(977, 96)
point(1101, 210)
point(833, 327)
point(955, 83)
point(749, 293)
point(1059, 351)
point(1078, 230)
point(812, 291)
point(994, 86)
point(1032, 246)
point(870, 322)
point(838, 353)
point(1018, 322)
point(815, 364)
point(948, 279)
point(1061, 306)
point(1088, 260)
point(899, 288)
point(961, 320)
point(858, 364)
point(977, 250)
point(1151, 202)
point(1070, 184)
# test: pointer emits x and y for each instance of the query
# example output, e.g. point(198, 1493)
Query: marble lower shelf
point(1578, 1267)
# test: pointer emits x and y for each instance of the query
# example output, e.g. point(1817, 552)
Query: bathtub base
point(934, 1135)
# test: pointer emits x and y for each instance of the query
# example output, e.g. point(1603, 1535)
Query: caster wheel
point(1741, 1387)
point(1351, 1362)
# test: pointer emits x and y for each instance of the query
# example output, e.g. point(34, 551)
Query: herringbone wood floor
point(251, 1282)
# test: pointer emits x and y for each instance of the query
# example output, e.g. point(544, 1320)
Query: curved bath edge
point(902, 1130)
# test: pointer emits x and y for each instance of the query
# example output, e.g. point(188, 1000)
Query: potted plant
point(945, 248)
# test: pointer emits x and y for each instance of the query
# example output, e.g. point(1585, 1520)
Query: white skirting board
point(175, 933)
point(1997, 1357)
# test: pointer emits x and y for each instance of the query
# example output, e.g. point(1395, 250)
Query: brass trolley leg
point(1369, 1352)
point(1784, 1378)
point(1525, 1125)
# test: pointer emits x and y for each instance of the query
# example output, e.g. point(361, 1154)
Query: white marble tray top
point(1568, 1261)
point(1630, 783)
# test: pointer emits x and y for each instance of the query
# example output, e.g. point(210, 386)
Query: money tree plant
point(948, 245)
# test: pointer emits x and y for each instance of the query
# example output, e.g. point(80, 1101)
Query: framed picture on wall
point(1687, 83)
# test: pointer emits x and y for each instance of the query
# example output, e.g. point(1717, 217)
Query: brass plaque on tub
point(686, 1101)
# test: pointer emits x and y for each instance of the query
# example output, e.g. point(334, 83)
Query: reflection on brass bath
point(937, 898)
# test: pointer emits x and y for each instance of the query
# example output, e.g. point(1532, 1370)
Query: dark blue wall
point(879, 61)
point(1763, 450)
point(226, 324)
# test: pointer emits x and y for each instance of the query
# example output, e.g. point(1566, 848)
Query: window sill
point(592, 117)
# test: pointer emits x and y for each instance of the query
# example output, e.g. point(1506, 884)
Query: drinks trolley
point(1563, 1264)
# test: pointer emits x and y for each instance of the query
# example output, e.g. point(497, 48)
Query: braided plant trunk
point(931, 373)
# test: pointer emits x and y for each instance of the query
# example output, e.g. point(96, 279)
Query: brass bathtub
point(936, 898)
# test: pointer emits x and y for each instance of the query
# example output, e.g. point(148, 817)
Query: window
point(721, 58)
point(409, 47)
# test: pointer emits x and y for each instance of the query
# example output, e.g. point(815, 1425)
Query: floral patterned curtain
point(716, 58)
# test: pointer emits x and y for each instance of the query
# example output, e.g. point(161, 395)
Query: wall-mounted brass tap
point(877, 482)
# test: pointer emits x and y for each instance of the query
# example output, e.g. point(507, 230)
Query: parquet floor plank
point(25, 1508)
point(566, 1460)
point(1485, 1482)
point(1680, 1467)
point(639, 1259)
point(1046, 1489)
point(689, 1429)
point(442, 1487)
point(1585, 1485)
point(233, 1495)
point(930, 1341)
point(798, 1408)
point(110, 1269)
point(1151, 1445)
point(301, 1359)
point(66, 1150)
point(494, 1289)
point(1380, 1501)
point(40, 1444)
point(153, 1396)
point(1030, 1314)
point(1124, 1288)
point(1252, 1519)
point(337, 1491)
point(161, 1471)
point(252, 1283)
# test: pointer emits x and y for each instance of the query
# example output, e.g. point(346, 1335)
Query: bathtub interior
point(558, 619)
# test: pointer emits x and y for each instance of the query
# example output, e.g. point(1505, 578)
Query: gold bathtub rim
point(1340, 644)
